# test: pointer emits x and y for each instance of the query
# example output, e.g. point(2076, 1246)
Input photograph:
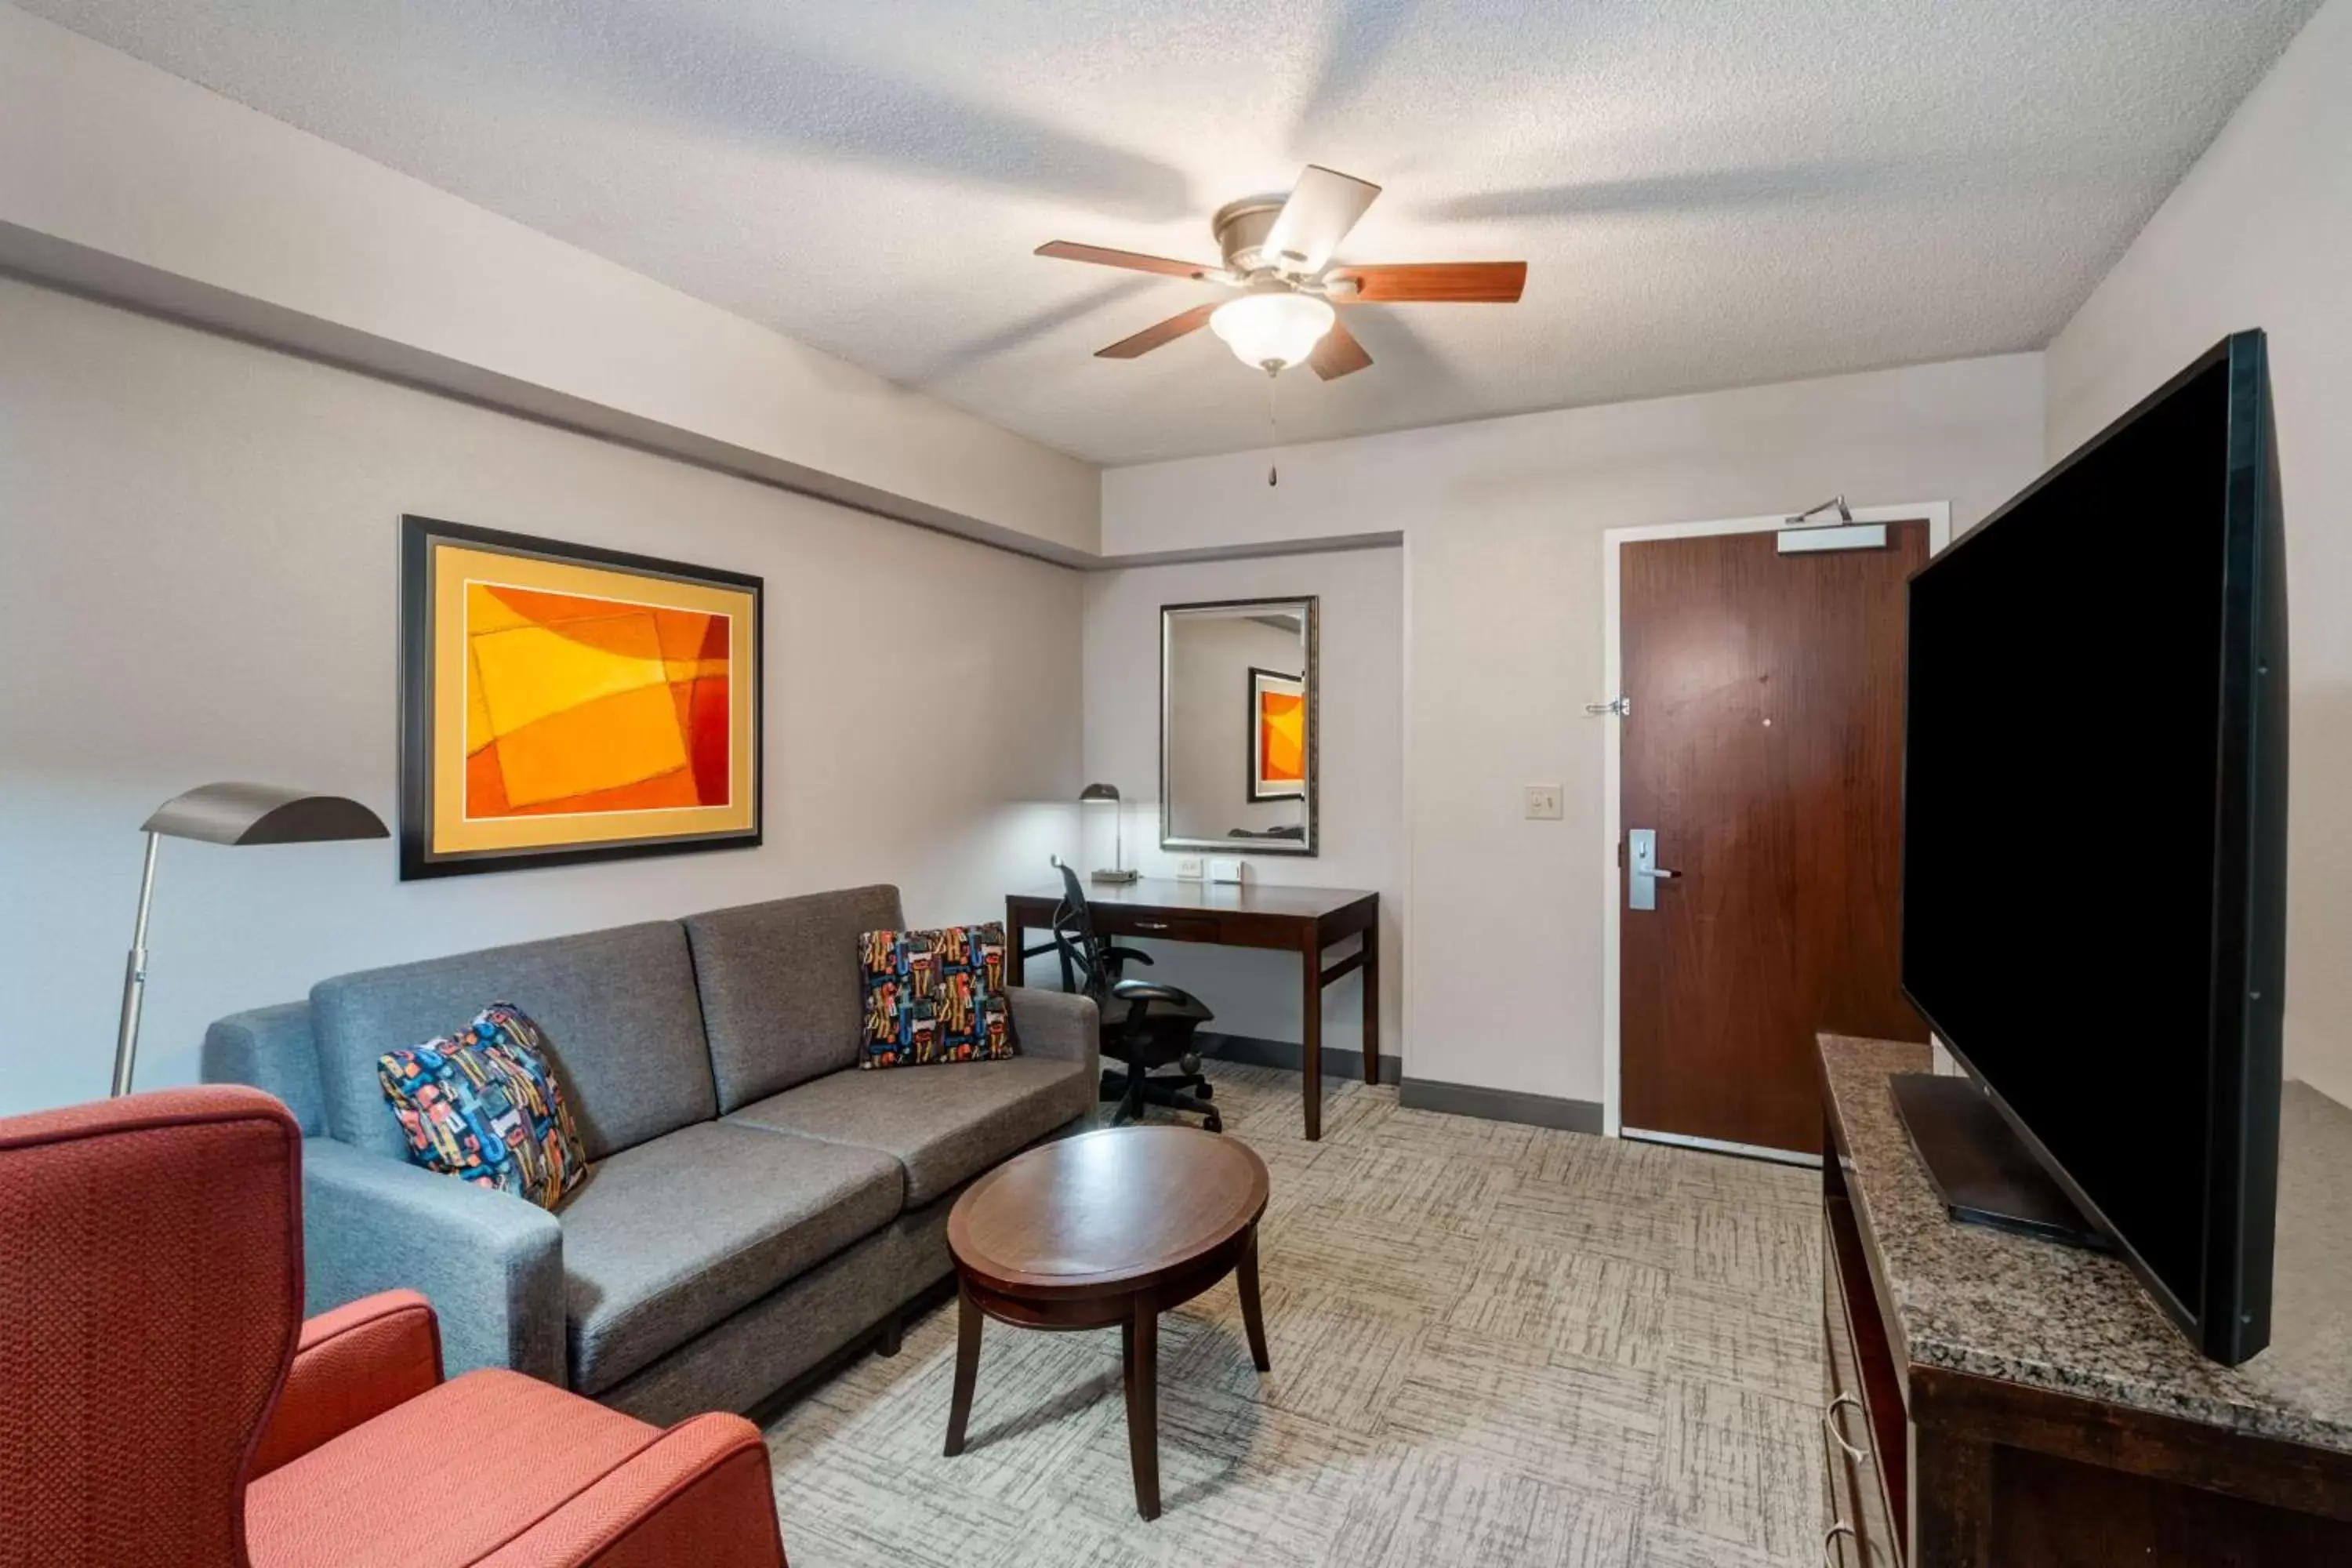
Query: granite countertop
point(1983, 1302)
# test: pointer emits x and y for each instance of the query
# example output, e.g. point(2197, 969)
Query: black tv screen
point(2093, 839)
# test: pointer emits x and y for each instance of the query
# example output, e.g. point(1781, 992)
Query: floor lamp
point(227, 814)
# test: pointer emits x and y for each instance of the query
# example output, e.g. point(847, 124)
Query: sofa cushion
point(618, 1006)
point(945, 1124)
point(780, 992)
point(664, 1240)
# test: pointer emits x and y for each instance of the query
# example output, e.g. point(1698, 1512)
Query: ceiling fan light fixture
point(1274, 330)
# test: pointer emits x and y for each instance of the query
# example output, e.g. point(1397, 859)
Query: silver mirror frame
point(1310, 607)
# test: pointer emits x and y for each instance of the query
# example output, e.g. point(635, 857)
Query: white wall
point(198, 582)
point(112, 157)
point(2260, 235)
point(1362, 820)
point(1502, 521)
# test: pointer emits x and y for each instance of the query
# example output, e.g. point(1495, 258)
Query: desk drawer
point(1112, 920)
point(1226, 928)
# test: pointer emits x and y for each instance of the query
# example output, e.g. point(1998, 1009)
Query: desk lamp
point(1102, 794)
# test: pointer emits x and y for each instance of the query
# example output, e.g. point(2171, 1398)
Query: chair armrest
point(350, 1365)
point(1146, 991)
point(699, 1494)
point(1059, 1023)
point(491, 1263)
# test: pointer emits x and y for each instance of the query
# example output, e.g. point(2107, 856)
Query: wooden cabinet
point(1930, 1465)
point(1864, 1434)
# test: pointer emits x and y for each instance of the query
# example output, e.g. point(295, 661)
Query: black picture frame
point(418, 861)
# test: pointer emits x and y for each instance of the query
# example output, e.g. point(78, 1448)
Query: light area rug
point(1492, 1346)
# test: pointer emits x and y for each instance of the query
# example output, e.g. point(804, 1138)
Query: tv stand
point(1982, 1170)
point(1992, 1402)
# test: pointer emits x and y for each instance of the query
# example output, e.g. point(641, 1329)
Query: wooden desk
point(1304, 921)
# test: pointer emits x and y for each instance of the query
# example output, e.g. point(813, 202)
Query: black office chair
point(1144, 1026)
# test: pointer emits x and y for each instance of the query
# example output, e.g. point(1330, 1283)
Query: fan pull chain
point(1272, 425)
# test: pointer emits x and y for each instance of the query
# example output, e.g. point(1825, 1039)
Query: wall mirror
point(1237, 727)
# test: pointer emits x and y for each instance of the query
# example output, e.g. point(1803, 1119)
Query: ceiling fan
point(1277, 256)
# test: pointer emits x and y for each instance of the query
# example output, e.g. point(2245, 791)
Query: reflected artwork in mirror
point(1237, 726)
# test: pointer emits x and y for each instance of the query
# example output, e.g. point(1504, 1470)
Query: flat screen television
point(2095, 831)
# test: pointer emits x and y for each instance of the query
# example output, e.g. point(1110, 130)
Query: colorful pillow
point(935, 996)
point(485, 1104)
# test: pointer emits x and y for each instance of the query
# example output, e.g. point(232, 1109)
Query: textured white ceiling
point(1709, 192)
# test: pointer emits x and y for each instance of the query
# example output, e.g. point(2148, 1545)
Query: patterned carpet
point(1492, 1344)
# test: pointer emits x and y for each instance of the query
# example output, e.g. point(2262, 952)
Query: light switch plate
point(1225, 870)
point(1543, 803)
point(1188, 867)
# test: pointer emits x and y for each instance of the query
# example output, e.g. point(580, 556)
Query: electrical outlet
point(1188, 867)
point(1543, 803)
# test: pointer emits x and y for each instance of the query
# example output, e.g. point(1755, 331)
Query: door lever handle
point(1644, 873)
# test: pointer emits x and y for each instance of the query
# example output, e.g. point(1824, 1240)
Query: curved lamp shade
point(263, 813)
point(1108, 794)
point(227, 814)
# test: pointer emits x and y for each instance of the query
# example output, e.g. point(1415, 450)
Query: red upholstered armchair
point(161, 1402)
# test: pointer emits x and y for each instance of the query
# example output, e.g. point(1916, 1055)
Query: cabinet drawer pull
point(1829, 1541)
point(1829, 1425)
point(1151, 925)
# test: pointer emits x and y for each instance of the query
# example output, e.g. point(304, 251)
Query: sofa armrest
point(699, 1494)
point(350, 1365)
point(270, 1048)
point(491, 1263)
point(1060, 1024)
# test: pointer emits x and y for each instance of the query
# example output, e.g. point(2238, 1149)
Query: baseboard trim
point(1250, 1051)
point(1500, 1104)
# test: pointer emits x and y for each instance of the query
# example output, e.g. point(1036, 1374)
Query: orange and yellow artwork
point(565, 703)
point(576, 704)
point(1277, 735)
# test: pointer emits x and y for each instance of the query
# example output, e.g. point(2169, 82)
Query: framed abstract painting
point(1278, 709)
point(561, 703)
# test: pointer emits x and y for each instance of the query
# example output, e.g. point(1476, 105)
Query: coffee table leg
point(1141, 1333)
point(1252, 1319)
point(967, 1370)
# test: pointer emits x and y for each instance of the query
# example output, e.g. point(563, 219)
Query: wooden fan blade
point(1323, 206)
point(1338, 353)
point(1134, 261)
point(1447, 282)
point(1150, 338)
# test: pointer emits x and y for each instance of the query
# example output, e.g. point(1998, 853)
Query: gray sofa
point(754, 1200)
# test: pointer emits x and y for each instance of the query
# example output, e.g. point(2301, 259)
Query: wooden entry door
point(1763, 745)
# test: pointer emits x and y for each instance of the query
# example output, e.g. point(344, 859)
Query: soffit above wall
point(1710, 194)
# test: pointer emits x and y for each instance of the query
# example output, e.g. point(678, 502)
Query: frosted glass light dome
point(1273, 330)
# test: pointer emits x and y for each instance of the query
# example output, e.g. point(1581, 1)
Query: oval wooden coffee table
point(1114, 1226)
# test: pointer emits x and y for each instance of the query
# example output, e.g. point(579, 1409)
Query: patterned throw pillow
point(935, 996)
point(484, 1104)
